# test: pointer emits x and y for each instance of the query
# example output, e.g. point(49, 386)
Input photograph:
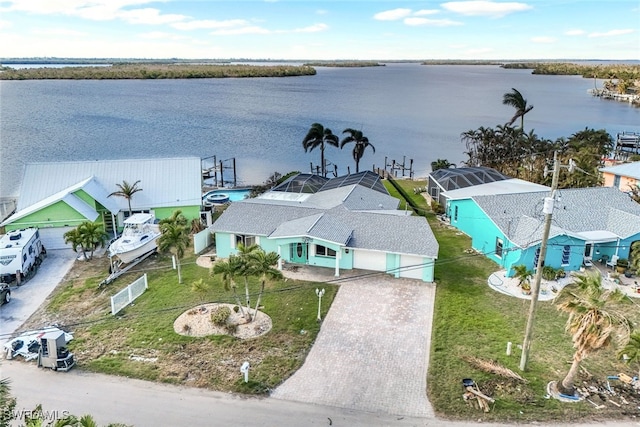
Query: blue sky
point(330, 29)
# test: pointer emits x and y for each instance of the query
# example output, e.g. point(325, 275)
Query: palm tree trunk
point(255, 313)
point(566, 386)
point(237, 298)
point(324, 172)
point(357, 166)
point(246, 292)
point(179, 272)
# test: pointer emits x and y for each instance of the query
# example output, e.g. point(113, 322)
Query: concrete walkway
point(26, 299)
point(372, 351)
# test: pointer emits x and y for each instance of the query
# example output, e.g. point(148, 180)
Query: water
point(404, 109)
point(234, 195)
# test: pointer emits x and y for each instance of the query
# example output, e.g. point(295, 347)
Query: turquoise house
point(588, 225)
point(344, 223)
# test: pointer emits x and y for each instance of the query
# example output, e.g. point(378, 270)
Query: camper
point(21, 252)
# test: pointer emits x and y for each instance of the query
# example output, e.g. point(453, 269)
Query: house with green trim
point(588, 225)
point(56, 197)
point(344, 223)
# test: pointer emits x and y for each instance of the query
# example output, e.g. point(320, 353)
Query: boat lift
point(116, 268)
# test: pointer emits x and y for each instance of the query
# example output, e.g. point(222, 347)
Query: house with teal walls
point(57, 197)
point(344, 223)
point(588, 225)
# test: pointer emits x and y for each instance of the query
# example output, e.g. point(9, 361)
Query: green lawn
point(108, 344)
point(472, 320)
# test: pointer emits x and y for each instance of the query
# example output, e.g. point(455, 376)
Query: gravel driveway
point(372, 351)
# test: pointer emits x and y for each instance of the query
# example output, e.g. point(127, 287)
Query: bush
point(219, 315)
point(549, 273)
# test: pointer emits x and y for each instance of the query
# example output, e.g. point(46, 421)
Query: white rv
point(21, 252)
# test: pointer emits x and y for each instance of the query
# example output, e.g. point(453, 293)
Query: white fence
point(202, 240)
point(128, 294)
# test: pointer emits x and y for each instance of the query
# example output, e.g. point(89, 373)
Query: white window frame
point(324, 251)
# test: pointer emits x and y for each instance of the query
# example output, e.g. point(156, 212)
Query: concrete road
point(26, 299)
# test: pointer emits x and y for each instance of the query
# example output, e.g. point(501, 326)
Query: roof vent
point(15, 236)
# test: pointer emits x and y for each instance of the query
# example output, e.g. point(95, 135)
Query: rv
point(21, 252)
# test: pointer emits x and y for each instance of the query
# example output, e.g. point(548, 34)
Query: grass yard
point(472, 320)
point(140, 341)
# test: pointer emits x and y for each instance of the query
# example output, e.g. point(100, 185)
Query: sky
point(321, 30)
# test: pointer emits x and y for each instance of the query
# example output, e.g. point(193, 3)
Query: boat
point(138, 238)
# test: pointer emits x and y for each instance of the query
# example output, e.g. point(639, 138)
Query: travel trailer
point(21, 252)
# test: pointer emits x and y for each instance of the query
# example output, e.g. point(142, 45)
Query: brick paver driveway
point(372, 351)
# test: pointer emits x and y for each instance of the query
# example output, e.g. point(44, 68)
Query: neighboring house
point(587, 224)
point(342, 223)
point(624, 177)
point(446, 185)
point(56, 197)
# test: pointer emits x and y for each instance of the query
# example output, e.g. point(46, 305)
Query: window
point(455, 214)
point(245, 240)
point(499, 244)
point(566, 254)
point(616, 181)
point(324, 251)
point(536, 257)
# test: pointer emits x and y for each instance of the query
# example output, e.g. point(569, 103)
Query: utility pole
point(548, 211)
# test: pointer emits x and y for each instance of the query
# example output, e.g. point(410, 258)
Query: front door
point(587, 250)
point(299, 253)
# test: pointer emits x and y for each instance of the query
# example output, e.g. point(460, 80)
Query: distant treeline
point(155, 71)
point(600, 71)
point(344, 64)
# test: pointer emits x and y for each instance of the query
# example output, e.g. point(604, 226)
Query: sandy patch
point(196, 322)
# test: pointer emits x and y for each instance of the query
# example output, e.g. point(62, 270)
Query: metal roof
point(166, 182)
point(578, 212)
point(507, 186)
point(631, 170)
point(454, 178)
point(308, 183)
point(302, 183)
point(366, 179)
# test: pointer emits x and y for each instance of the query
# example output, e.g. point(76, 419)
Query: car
point(5, 293)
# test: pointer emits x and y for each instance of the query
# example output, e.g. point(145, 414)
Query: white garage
point(52, 238)
point(369, 260)
point(411, 266)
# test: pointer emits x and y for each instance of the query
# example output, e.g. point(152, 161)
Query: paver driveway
point(372, 351)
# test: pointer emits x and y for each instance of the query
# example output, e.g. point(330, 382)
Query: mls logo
point(6, 260)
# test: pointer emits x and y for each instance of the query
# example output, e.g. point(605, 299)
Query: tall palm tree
point(262, 264)
point(174, 239)
point(127, 191)
point(440, 164)
point(243, 267)
point(361, 143)
point(594, 320)
point(517, 101)
point(319, 136)
point(229, 270)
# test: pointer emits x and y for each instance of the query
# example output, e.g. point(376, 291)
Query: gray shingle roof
point(576, 211)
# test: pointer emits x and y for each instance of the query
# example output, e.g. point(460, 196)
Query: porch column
point(279, 259)
point(338, 256)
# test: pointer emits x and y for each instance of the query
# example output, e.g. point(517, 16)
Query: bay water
point(409, 111)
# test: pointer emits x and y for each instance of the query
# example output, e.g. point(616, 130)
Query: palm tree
point(243, 270)
point(517, 101)
point(92, 236)
point(174, 238)
point(201, 288)
point(594, 321)
point(440, 164)
point(262, 264)
point(318, 136)
point(361, 143)
point(127, 191)
point(634, 257)
point(523, 274)
point(632, 350)
point(229, 270)
point(75, 238)
point(7, 403)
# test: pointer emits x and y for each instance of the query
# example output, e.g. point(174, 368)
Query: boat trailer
point(117, 268)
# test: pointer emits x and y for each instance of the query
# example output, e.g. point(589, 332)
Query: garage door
point(369, 260)
point(52, 237)
point(411, 266)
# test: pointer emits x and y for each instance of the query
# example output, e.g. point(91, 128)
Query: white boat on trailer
point(138, 238)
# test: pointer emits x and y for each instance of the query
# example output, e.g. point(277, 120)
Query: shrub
point(219, 315)
point(231, 328)
point(549, 273)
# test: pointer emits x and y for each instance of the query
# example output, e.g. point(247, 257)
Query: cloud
point(543, 39)
point(5, 24)
point(392, 15)
point(485, 8)
point(424, 12)
point(612, 33)
point(209, 24)
point(252, 29)
point(58, 32)
point(148, 16)
point(414, 22)
point(160, 35)
point(322, 12)
point(574, 32)
point(311, 29)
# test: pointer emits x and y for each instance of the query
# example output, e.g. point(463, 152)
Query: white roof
point(597, 236)
point(139, 218)
point(166, 182)
point(507, 186)
point(631, 170)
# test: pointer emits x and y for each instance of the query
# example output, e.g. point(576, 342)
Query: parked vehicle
point(21, 252)
point(5, 293)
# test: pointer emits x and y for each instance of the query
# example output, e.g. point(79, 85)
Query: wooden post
point(235, 180)
point(221, 174)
